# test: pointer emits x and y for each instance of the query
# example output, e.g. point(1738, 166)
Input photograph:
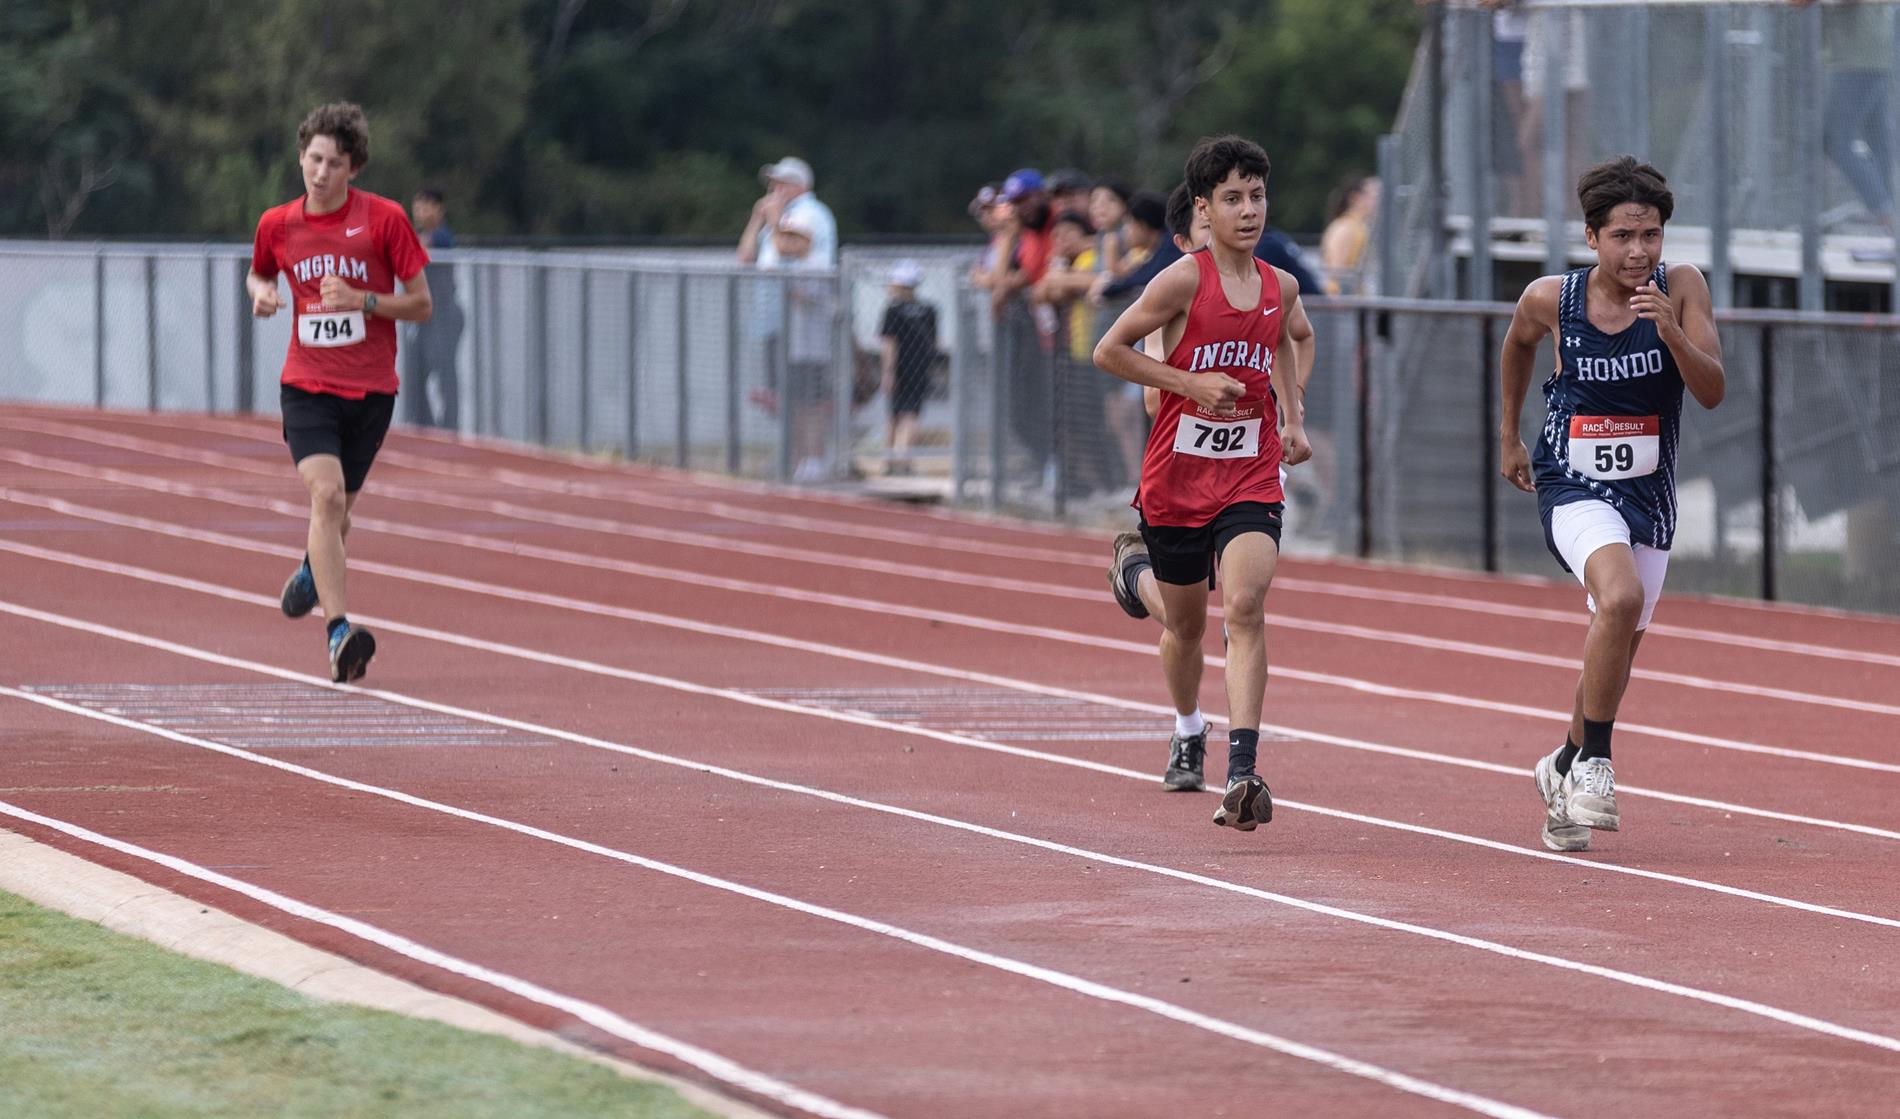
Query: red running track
point(850, 809)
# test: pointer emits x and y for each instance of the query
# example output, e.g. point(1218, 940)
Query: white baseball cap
point(907, 273)
point(791, 169)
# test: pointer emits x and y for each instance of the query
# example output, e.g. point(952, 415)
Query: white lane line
point(587, 523)
point(888, 609)
point(1696, 994)
point(863, 720)
point(1062, 980)
point(515, 595)
point(712, 1064)
point(1093, 559)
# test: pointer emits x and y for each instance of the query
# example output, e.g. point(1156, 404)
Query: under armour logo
point(1572, 340)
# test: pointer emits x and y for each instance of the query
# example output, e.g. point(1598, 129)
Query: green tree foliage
point(651, 117)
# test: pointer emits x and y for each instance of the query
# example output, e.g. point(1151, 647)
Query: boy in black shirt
point(909, 332)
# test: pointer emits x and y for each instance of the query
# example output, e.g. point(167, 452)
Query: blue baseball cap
point(1026, 181)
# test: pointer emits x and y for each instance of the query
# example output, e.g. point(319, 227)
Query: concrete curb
point(124, 904)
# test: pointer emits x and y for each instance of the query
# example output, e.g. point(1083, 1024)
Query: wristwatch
point(369, 303)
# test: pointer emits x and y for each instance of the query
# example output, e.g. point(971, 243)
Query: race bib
point(1613, 447)
point(330, 328)
point(1217, 438)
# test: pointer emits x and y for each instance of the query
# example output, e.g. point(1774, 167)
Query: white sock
point(1190, 725)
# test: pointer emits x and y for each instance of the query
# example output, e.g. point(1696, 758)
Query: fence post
point(246, 355)
point(543, 363)
point(1715, 52)
point(782, 377)
point(1556, 128)
point(999, 416)
point(477, 345)
point(962, 341)
point(1385, 227)
point(151, 333)
point(733, 456)
point(1770, 500)
point(587, 354)
point(681, 425)
point(633, 366)
point(1810, 154)
point(211, 371)
point(98, 326)
point(844, 380)
point(1478, 283)
point(1362, 375)
point(1488, 440)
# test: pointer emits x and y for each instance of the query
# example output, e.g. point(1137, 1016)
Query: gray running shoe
point(1128, 545)
point(1247, 805)
point(1185, 752)
point(1589, 791)
point(351, 647)
point(1560, 834)
point(300, 592)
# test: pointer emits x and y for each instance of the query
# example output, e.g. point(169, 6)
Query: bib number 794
point(330, 328)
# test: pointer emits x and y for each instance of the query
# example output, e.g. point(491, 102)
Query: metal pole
point(1435, 183)
point(961, 351)
point(1385, 230)
point(733, 455)
point(635, 369)
point(1556, 133)
point(543, 363)
point(1721, 271)
point(587, 354)
point(1488, 441)
point(211, 372)
point(844, 369)
point(98, 327)
point(245, 372)
point(782, 371)
point(478, 344)
point(151, 334)
point(1811, 97)
point(999, 417)
point(1478, 283)
point(1058, 429)
point(1770, 502)
point(1362, 374)
point(680, 417)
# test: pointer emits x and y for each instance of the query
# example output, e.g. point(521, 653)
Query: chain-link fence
point(1788, 490)
point(1774, 123)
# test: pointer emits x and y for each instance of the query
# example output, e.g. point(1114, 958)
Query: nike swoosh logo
point(354, 232)
point(1268, 311)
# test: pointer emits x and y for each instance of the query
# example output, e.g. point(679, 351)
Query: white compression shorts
point(1579, 528)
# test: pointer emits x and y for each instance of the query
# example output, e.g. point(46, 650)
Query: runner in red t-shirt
point(343, 250)
point(1210, 480)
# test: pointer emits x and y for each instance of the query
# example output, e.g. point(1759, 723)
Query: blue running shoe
point(300, 592)
point(351, 647)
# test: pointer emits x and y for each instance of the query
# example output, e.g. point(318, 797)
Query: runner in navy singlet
point(1630, 333)
point(343, 251)
point(1230, 410)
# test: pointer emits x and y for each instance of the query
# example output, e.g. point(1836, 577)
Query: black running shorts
point(1185, 556)
point(316, 423)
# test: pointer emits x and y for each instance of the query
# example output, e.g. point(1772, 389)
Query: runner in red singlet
point(343, 250)
point(1210, 496)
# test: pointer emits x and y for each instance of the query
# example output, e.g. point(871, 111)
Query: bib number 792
point(1213, 439)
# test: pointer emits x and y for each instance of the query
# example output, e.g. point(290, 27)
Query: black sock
point(306, 561)
point(1131, 574)
point(1242, 748)
point(1565, 756)
point(335, 624)
point(1596, 740)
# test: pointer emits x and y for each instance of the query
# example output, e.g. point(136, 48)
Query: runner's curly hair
point(1215, 156)
point(1614, 182)
point(342, 121)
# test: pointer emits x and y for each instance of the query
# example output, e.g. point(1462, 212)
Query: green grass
point(94, 1025)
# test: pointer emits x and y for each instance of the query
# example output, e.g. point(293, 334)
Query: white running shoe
point(1560, 834)
point(1590, 794)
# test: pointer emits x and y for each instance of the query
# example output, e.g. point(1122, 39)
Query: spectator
point(1108, 206)
point(1857, 127)
point(1025, 334)
point(788, 190)
point(1069, 191)
point(430, 358)
point(1342, 248)
point(909, 334)
point(997, 220)
point(1143, 231)
point(806, 350)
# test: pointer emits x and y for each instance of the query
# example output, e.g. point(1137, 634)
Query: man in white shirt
point(788, 190)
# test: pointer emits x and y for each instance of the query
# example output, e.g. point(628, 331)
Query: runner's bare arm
point(1686, 322)
point(1533, 321)
point(412, 304)
point(1166, 297)
point(266, 300)
point(1290, 392)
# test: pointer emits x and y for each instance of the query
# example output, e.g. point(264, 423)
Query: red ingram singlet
point(369, 244)
point(1199, 462)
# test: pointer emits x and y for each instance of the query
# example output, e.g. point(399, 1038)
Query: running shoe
point(1560, 833)
point(351, 647)
point(1247, 805)
point(300, 592)
point(1185, 752)
point(1590, 794)
point(1128, 548)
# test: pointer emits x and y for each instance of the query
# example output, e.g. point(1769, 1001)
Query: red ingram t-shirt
point(369, 244)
